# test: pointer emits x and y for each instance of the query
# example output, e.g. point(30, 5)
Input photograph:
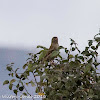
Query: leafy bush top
point(71, 78)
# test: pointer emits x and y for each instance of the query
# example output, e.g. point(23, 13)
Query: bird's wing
point(50, 50)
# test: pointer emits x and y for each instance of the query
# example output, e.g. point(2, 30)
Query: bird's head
point(54, 40)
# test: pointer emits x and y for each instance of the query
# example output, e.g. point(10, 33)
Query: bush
point(74, 77)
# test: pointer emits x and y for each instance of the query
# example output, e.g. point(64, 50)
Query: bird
point(52, 51)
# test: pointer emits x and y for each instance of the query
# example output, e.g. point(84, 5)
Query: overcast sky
point(27, 23)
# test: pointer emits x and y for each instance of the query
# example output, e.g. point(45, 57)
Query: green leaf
point(43, 77)
point(12, 74)
point(21, 88)
point(15, 91)
point(93, 47)
point(97, 45)
point(23, 78)
point(97, 39)
point(5, 82)
point(86, 48)
point(42, 54)
point(71, 43)
point(90, 42)
point(90, 60)
point(25, 94)
point(24, 75)
point(30, 65)
point(81, 57)
point(73, 49)
point(74, 64)
point(16, 70)
point(86, 53)
point(35, 55)
point(10, 86)
point(17, 75)
point(66, 50)
point(66, 60)
point(12, 63)
point(9, 68)
point(17, 86)
point(12, 81)
point(37, 90)
point(27, 84)
point(42, 47)
point(60, 47)
point(70, 56)
point(54, 54)
point(87, 68)
point(72, 40)
point(25, 65)
point(60, 56)
point(32, 83)
point(96, 64)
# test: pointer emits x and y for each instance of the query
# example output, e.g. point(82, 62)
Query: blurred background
point(24, 24)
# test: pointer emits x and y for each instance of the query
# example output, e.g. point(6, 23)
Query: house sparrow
point(54, 46)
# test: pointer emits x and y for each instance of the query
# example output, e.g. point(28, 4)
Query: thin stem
point(29, 94)
point(35, 79)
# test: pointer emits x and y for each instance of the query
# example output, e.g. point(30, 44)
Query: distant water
point(8, 56)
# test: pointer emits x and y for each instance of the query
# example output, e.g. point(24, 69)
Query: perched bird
point(52, 51)
point(54, 44)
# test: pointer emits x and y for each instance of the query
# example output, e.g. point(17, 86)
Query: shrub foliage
point(74, 77)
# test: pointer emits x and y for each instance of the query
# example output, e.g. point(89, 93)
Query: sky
point(27, 23)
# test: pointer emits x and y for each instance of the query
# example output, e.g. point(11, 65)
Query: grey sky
point(27, 23)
